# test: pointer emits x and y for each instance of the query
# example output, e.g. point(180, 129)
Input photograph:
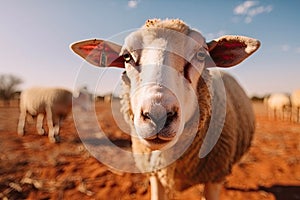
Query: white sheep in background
point(295, 100)
point(278, 103)
point(166, 86)
point(55, 103)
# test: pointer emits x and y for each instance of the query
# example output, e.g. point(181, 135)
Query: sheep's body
point(295, 100)
point(169, 96)
point(278, 103)
point(233, 142)
point(55, 103)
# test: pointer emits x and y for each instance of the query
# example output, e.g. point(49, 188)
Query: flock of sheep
point(167, 106)
point(284, 106)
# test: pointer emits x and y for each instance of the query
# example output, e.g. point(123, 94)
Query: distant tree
point(8, 87)
point(257, 99)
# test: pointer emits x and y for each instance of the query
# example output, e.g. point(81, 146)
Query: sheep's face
point(163, 63)
point(163, 67)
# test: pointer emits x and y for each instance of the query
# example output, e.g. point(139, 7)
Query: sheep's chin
point(158, 144)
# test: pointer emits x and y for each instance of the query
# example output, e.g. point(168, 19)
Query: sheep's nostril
point(171, 116)
point(145, 115)
point(162, 119)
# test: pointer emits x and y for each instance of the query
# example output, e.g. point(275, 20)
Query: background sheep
point(295, 100)
point(55, 103)
point(166, 85)
point(278, 104)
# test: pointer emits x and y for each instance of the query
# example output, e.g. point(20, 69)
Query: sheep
point(55, 103)
point(278, 102)
point(169, 97)
point(295, 100)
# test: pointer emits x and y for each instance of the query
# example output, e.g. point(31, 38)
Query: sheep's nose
point(159, 115)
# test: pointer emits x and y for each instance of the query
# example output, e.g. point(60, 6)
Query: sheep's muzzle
point(157, 118)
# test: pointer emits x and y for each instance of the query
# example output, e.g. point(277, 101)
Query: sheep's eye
point(127, 57)
point(201, 55)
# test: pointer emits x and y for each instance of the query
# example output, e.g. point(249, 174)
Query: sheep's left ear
point(230, 50)
point(99, 52)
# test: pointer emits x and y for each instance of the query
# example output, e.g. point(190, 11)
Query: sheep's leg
point(56, 126)
point(50, 124)
point(21, 124)
point(56, 129)
point(39, 124)
point(157, 190)
point(212, 191)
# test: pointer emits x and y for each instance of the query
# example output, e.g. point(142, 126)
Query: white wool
point(169, 99)
point(295, 100)
point(55, 103)
point(144, 45)
point(278, 101)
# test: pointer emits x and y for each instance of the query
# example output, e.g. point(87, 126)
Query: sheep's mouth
point(157, 140)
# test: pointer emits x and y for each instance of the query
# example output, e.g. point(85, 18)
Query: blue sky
point(35, 37)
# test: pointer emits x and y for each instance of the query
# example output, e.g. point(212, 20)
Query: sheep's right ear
point(230, 50)
point(99, 53)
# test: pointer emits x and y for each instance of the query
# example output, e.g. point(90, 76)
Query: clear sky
point(35, 36)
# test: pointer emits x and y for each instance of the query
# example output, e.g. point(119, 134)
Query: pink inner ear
point(228, 57)
point(86, 49)
point(225, 52)
point(115, 61)
point(102, 51)
point(230, 50)
point(89, 48)
point(232, 45)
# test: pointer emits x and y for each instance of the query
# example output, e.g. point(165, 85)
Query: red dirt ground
point(33, 168)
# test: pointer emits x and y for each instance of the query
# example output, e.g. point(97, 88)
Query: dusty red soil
point(33, 168)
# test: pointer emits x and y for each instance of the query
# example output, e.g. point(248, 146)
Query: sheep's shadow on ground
point(280, 192)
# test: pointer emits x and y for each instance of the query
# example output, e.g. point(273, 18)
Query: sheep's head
point(163, 63)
